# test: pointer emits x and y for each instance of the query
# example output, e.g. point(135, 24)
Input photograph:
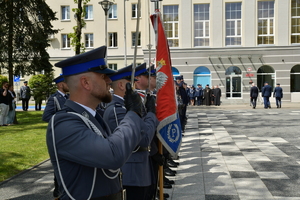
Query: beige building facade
point(217, 42)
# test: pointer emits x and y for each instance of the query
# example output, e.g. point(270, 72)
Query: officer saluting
point(85, 155)
point(137, 170)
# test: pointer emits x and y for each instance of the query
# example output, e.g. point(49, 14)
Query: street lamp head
point(106, 4)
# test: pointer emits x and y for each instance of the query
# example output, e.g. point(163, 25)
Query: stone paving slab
point(231, 152)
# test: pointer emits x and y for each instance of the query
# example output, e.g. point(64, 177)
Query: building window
point(112, 13)
point(65, 12)
point(113, 66)
point(65, 41)
point(201, 25)
point(89, 40)
point(295, 79)
point(133, 39)
point(171, 24)
point(233, 24)
point(265, 73)
point(295, 37)
point(265, 22)
point(112, 39)
point(88, 12)
point(134, 10)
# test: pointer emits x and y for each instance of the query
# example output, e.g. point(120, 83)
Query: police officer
point(85, 155)
point(199, 94)
point(56, 100)
point(55, 103)
point(137, 170)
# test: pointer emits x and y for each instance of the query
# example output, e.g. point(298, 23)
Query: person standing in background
point(4, 101)
point(278, 95)
point(199, 94)
point(12, 105)
point(266, 93)
point(217, 95)
point(25, 95)
point(212, 96)
point(57, 100)
point(207, 95)
point(253, 95)
point(192, 95)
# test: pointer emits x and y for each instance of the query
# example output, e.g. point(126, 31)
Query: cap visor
point(105, 71)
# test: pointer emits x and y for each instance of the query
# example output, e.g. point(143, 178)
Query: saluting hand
point(132, 100)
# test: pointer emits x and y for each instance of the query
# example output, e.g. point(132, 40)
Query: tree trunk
point(79, 27)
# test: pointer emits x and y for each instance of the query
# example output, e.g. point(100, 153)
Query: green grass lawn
point(22, 145)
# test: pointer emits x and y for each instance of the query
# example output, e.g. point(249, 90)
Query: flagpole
point(160, 146)
point(149, 48)
point(136, 41)
point(161, 173)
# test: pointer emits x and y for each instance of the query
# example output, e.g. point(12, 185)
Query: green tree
point(79, 16)
point(24, 29)
point(2, 79)
point(42, 86)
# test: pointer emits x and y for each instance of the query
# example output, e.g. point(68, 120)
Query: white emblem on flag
point(173, 133)
point(161, 79)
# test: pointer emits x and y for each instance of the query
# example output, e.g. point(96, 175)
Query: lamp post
point(106, 4)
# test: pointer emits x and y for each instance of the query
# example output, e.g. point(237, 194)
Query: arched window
point(233, 70)
point(295, 79)
point(265, 73)
point(175, 71)
point(202, 76)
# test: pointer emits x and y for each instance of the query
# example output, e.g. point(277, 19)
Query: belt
point(116, 196)
point(141, 149)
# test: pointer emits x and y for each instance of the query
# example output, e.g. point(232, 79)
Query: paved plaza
point(228, 152)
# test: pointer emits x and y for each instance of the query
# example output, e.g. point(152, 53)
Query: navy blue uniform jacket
point(136, 171)
point(266, 91)
point(80, 150)
point(51, 107)
point(278, 92)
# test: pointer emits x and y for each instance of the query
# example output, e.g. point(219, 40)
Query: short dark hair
point(4, 82)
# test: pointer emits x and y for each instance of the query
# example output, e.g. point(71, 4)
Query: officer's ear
point(85, 82)
point(122, 85)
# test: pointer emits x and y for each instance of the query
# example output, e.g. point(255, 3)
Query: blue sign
point(16, 78)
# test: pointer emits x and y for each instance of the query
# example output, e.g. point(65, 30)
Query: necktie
point(66, 96)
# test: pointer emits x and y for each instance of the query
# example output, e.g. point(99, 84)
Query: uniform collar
point(119, 97)
point(62, 94)
point(91, 111)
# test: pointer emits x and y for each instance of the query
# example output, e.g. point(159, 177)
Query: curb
point(23, 172)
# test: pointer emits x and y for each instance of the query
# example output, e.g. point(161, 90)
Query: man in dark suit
point(253, 95)
point(266, 94)
point(57, 100)
point(85, 156)
point(137, 171)
point(25, 95)
point(278, 95)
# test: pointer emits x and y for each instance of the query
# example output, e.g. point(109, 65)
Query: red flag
point(169, 129)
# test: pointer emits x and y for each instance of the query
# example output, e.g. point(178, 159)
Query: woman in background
point(12, 105)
